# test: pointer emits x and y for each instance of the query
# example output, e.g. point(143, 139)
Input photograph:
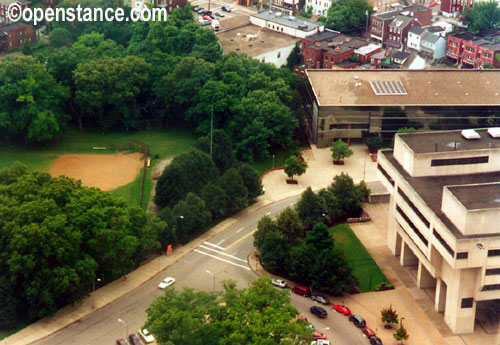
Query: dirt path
point(152, 207)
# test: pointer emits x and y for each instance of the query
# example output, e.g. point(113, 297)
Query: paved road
point(225, 256)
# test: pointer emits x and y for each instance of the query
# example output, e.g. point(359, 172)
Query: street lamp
point(213, 275)
point(402, 321)
point(126, 326)
point(93, 291)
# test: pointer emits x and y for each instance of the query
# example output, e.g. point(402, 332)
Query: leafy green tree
point(331, 272)
point(259, 314)
point(311, 208)
point(374, 143)
point(265, 226)
point(289, 224)
point(350, 197)
point(188, 172)
point(319, 238)
point(59, 37)
point(295, 58)
point(222, 149)
point(185, 221)
point(340, 150)
point(166, 235)
point(363, 190)
point(301, 259)
point(294, 166)
point(197, 206)
point(9, 305)
point(274, 251)
point(216, 200)
point(483, 16)
point(28, 49)
point(389, 316)
point(332, 206)
point(235, 189)
point(348, 15)
point(401, 334)
point(251, 180)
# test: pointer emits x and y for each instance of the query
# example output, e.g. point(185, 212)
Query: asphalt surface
point(224, 257)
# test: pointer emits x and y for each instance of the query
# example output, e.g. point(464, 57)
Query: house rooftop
point(416, 30)
point(401, 55)
point(240, 39)
point(12, 26)
point(323, 35)
point(430, 190)
point(367, 49)
point(288, 21)
point(430, 37)
point(447, 141)
point(338, 44)
point(423, 87)
point(400, 22)
point(478, 196)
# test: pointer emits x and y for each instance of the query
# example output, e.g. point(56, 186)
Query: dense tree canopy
point(258, 315)
point(57, 237)
point(483, 16)
point(348, 15)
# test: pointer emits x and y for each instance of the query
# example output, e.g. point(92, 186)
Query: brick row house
point(474, 50)
point(13, 36)
point(289, 7)
point(452, 7)
point(4, 5)
point(329, 48)
point(391, 28)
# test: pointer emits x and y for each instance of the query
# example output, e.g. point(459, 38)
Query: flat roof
point(430, 190)
point(447, 141)
point(424, 87)
point(478, 196)
point(289, 21)
point(266, 41)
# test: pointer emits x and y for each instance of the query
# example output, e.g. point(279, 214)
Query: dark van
point(302, 290)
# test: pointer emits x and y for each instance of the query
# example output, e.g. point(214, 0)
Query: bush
point(374, 143)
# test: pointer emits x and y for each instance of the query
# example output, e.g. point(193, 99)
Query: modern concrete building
point(444, 216)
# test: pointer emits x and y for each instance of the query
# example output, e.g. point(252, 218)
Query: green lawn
point(366, 270)
point(263, 164)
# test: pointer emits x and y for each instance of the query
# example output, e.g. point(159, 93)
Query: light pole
point(126, 326)
point(213, 275)
point(93, 291)
point(273, 161)
point(402, 322)
point(211, 116)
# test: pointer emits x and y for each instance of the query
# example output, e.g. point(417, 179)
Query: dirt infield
point(104, 171)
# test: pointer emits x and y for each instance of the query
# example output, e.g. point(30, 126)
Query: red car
point(368, 332)
point(319, 336)
point(433, 3)
point(342, 309)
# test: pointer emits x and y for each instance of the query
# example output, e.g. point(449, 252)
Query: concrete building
point(444, 216)
point(343, 104)
point(289, 25)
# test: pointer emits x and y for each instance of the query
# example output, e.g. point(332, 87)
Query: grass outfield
point(365, 268)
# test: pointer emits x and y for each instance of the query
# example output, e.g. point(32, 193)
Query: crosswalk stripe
point(214, 245)
point(217, 258)
point(228, 255)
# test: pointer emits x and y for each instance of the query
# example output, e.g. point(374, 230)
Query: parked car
point(203, 22)
point(219, 14)
point(121, 342)
point(342, 309)
point(318, 311)
point(375, 341)
point(207, 18)
point(226, 8)
point(302, 290)
point(368, 332)
point(134, 339)
point(196, 8)
point(358, 321)
point(320, 299)
point(201, 10)
point(166, 282)
point(317, 335)
point(433, 3)
point(320, 342)
point(279, 283)
point(148, 337)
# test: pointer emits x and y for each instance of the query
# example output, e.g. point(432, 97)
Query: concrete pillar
point(440, 301)
point(393, 237)
point(424, 278)
point(407, 257)
point(458, 317)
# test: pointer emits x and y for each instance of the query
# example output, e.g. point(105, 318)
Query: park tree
point(289, 224)
point(364, 190)
point(319, 238)
point(389, 316)
point(274, 251)
point(251, 180)
point(295, 58)
point(340, 150)
point(198, 210)
point(333, 209)
point(350, 197)
point(483, 16)
point(311, 208)
point(222, 149)
point(331, 272)
point(59, 37)
point(216, 200)
point(188, 172)
point(300, 262)
point(265, 226)
point(259, 314)
point(295, 166)
point(348, 15)
point(401, 333)
point(374, 142)
point(235, 189)
point(166, 235)
point(185, 221)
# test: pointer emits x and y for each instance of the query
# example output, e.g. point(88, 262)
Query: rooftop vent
point(470, 134)
point(494, 132)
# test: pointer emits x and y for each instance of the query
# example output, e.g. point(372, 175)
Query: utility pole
point(366, 27)
point(211, 123)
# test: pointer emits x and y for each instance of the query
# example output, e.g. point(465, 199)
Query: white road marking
point(220, 242)
point(217, 258)
point(214, 245)
point(221, 253)
point(237, 231)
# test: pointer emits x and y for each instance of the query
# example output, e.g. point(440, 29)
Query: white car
point(148, 337)
point(279, 283)
point(166, 282)
point(321, 342)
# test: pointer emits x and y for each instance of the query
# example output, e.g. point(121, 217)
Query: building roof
point(265, 41)
point(430, 37)
point(478, 196)
point(401, 56)
point(447, 141)
point(289, 21)
point(338, 44)
point(424, 87)
point(494, 47)
point(323, 35)
point(386, 15)
point(379, 55)
point(367, 49)
point(13, 26)
point(430, 190)
point(400, 22)
point(434, 29)
point(416, 30)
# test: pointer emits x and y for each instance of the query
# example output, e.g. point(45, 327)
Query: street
point(224, 257)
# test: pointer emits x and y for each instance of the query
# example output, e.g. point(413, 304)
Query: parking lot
point(238, 16)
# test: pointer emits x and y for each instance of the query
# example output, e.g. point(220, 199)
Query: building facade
point(475, 50)
point(319, 7)
point(444, 214)
point(14, 36)
point(4, 5)
point(453, 7)
point(277, 21)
